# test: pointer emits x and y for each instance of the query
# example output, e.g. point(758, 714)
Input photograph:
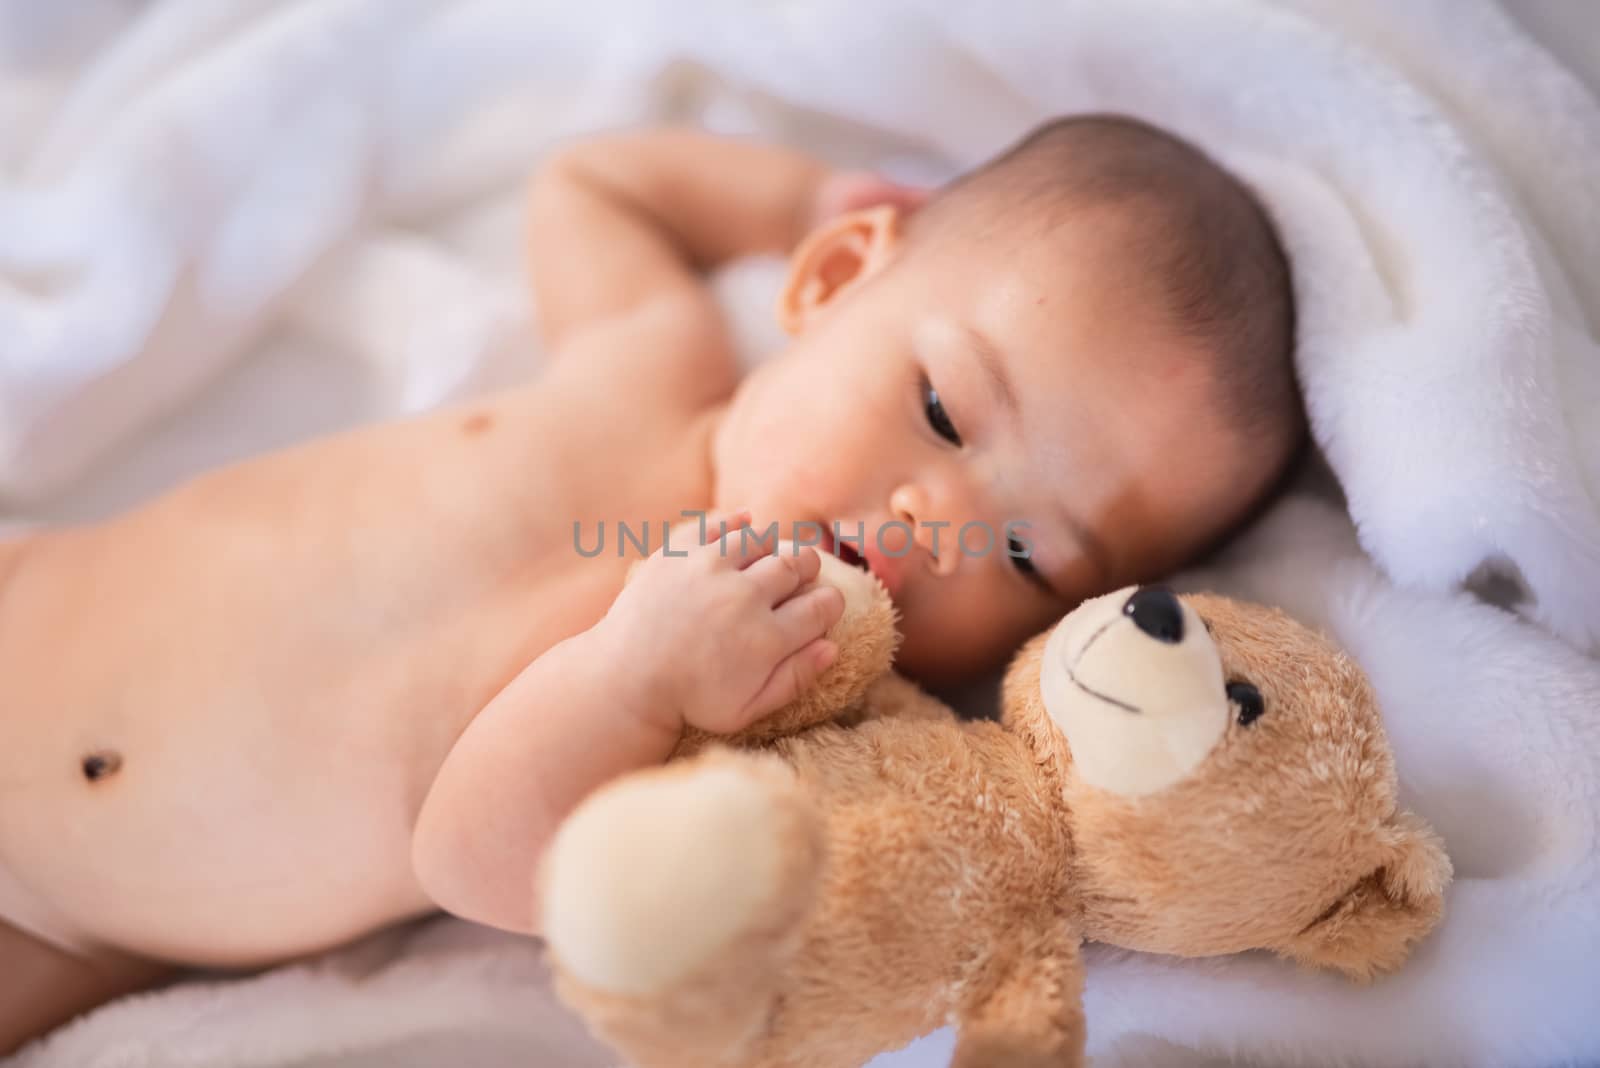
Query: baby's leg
point(42, 987)
point(673, 898)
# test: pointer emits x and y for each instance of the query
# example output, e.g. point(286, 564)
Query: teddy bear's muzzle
point(1134, 683)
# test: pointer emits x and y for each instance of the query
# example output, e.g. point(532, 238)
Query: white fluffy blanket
point(227, 224)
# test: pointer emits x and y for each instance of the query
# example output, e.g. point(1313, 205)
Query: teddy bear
point(1187, 775)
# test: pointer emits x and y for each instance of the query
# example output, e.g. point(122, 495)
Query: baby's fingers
point(717, 534)
point(792, 677)
point(808, 616)
point(779, 575)
point(743, 546)
point(720, 526)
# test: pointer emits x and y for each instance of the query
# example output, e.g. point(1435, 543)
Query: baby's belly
point(228, 817)
point(228, 835)
point(216, 781)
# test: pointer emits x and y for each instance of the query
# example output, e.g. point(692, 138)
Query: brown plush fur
point(935, 871)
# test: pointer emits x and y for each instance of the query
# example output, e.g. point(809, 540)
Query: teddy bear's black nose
point(1157, 612)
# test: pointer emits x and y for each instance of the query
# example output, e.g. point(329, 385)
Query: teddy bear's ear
point(1371, 928)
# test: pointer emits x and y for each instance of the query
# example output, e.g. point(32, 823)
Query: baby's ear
point(837, 255)
point(1372, 927)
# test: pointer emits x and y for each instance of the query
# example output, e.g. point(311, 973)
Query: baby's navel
point(477, 424)
point(101, 764)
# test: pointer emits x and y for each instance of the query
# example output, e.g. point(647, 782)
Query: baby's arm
point(715, 640)
point(568, 723)
point(621, 220)
point(628, 223)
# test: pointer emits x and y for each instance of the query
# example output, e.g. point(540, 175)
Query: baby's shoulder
point(669, 356)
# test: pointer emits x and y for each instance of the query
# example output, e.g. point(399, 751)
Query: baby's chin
point(938, 662)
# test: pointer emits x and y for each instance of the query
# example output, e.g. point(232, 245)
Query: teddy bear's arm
point(1034, 1016)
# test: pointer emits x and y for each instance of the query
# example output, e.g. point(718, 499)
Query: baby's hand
point(845, 191)
point(722, 636)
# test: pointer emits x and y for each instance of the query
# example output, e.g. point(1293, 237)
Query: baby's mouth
point(853, 552)
point(845, 551)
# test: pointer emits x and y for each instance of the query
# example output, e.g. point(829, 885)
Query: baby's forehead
point(1045, 243)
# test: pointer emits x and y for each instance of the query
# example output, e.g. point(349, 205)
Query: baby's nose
point(911, 505)
point(943, 552)
point(1156, 611)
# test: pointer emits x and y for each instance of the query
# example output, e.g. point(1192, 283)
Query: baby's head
point(1084, 344)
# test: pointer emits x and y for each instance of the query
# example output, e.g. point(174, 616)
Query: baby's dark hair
point(1194, 230)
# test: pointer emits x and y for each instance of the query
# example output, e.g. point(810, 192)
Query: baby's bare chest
point(265, 670)
point(382, 582)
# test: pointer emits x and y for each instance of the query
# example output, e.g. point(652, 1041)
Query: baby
point(348, 683)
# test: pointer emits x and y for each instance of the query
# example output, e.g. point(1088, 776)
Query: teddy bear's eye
point(1249, 700)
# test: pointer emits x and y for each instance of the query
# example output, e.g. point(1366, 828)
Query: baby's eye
point(938, 418)
point(1021, 558)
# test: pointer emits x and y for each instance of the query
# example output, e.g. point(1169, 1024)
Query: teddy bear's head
point(1228, 783)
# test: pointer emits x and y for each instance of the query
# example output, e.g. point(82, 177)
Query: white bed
point(229, 224)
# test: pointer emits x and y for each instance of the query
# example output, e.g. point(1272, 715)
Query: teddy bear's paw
point(698, 869)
